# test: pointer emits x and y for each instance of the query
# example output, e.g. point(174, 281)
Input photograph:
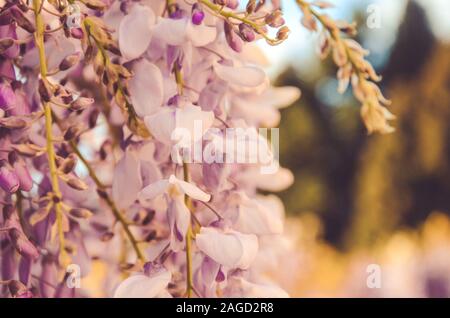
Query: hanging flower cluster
point(92, 94)
point(349, 57)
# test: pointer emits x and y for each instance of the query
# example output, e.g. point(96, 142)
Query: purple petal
point(127, 180)
point(9, 181)
point(146, 88)
point(135, 32)
point(142, 286)
point(7, 97)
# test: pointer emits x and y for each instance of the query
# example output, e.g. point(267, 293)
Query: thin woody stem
point(187, 200)
point(39, 42)
point(176, 69)
point(189, 281)
point(117, 214)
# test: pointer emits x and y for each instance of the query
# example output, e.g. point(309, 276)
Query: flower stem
point(187, 200)
point(335, 36)
point(170, 4)
point(39, 42)
point(117, 214)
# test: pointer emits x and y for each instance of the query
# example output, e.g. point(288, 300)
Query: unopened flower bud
point(9, 181)
point(72, 132)
point(77, 184)
point(233, 40)
point(251, 6)
point(151, 236)
point(8, 211)
point(95, 4)
point(21, 170)
point(5, 44)
point(69, 61)
point(45, 92)
point(275, 19)
point(246, 32)
point(175, 12)
point(102, 194)
point(22, 244)
point(197, 14)
point(19, 290)
point(28, 150)
point(80, 213)
point(105, 149)
point(148, 218)
point(283, 33)
point(22, 6)
point(21, 20)
point(261, 4)
point(13, 122)
point(81, 103)
point(347, 28)
point(89, 53)
point(107, 236)
point(113, 48)
point(68, 164)
point(68, 99)
point(174, 100)
point(93, 116)
point(77, 33)
point(124, 6)
point(232, 4)
point(13, 157)
point(7, 97)
point(70, 248)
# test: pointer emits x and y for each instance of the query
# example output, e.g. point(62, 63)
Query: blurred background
point(380, 199)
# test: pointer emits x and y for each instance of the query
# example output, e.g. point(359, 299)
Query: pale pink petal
point(142, 286)
point(272, 181)
point(195, 121)
point(253, 53)
point(146, 88)
point(190, 189)
point(248, 76)
point(256, 111)
point(179, 218)
point(280, 97)
point(55, 51)
point(161, 125)
point(127, 180)
point(154, 190)
point(256, 218)
point(209, 270)
point(200, 35)
point(135, 32)
point(238, 287)
point(171, 31)
point(113, 16)
point(250, 249)
point(279, 181)
point(233, 249)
